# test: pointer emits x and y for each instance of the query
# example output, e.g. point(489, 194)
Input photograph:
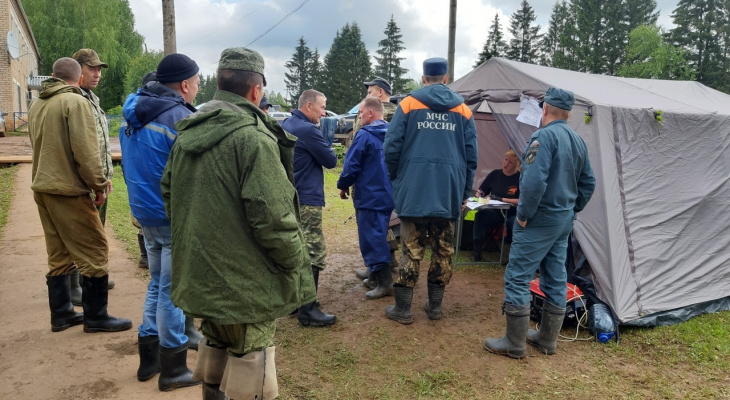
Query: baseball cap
point(242, 59)
point(89, 57)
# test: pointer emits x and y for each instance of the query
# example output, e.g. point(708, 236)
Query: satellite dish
point(13, 46)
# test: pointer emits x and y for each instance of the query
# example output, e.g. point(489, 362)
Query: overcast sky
point(206, 27)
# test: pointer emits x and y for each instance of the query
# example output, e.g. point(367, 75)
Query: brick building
point(19, 59)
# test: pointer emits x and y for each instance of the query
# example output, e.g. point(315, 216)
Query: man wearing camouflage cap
point(237, 245)
point(556, 183)
point(91, 67)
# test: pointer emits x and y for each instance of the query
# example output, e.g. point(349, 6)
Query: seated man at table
point(503, 185)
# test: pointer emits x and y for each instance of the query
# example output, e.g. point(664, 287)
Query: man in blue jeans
point(556, 183)
point(146, 138)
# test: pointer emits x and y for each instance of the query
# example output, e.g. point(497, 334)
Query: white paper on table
point(530, 111)
point(473, 205)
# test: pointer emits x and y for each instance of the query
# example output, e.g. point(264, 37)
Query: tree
point(495, 45)
point(411, 85)
point(525, 37)
point(139, 67)
point(301, 71)
point(107, 26)
point(648, 56)
point(315, 71)
point(346, 66)
point(208, 86)
point(602, 31)
point(389, 64)
point(701, 29)
point(552, 43)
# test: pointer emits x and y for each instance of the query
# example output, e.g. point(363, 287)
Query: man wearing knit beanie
point(146, 140)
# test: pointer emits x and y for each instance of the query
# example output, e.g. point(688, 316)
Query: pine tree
point(389, 64)
point(602, 31)
point(495, 45)
point(701, 29)
point(346, 67)
point(315, 71)
point(299, 77)
point(208, 86)
point(525, 37)
point(552, 44)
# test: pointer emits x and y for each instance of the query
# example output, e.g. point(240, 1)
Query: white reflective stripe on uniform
point(159, 128)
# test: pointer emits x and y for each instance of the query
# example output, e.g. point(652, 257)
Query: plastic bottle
point(600, 322)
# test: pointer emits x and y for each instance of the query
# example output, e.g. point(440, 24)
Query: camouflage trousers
point(239, 339)
point(416, 234)
point(312, 226)
point(136, 225)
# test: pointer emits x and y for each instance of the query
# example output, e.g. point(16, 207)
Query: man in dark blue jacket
point(556, 183)
point(146, 138)
point(431, 155)
point(365, 168)
point(311, 155)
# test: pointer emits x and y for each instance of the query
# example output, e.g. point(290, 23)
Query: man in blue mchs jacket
point(431, 155)
point(365, 168)
point(311, 155)
point(556, 183)
point(146, 138)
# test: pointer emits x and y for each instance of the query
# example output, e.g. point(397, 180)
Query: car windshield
point(354, 109)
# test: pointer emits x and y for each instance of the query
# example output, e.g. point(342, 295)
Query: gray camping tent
point(655, 232)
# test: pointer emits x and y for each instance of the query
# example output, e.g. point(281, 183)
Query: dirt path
point(38, 364)
point(363, 347)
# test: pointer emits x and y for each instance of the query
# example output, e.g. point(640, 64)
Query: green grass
point(119, 216)
point(7, 177)
point(359, 359)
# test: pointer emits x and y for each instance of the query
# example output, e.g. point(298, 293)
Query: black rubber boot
point(193, 334)
point(546, 339)
point(362, 273)
point(143, 263)
point(174, 372)
point(149, 357)
point(384, 284)
point(513, 343)
point(401, 311)
point(75, 288)
point(310, 314)
point(95, 297)
point(63, 315)
point(371, 282)
point(433, 304)
point(213, 392)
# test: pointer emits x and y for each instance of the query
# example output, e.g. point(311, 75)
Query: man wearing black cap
point(264, 105)
point(431, 155)
point(91, 67)
point(238, 248)
point(378, 88)
point(556, 183)
point(146, 139)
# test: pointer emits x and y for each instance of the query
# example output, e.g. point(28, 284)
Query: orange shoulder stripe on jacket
point(411, 103)
point(463, 110)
